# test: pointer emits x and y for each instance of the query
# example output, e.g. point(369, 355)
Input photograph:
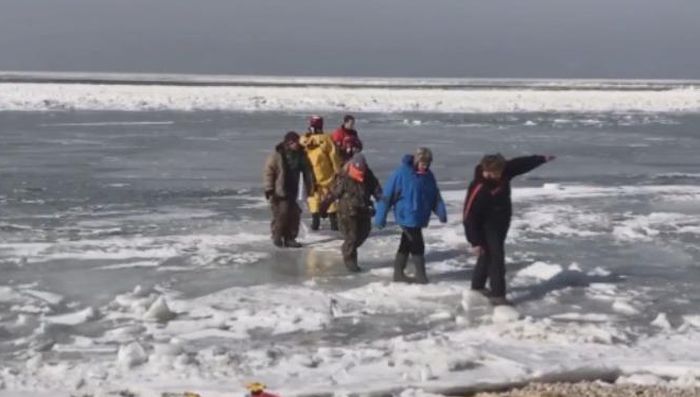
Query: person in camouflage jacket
point(353, 190)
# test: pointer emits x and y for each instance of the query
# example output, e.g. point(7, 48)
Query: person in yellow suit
point(325, 164)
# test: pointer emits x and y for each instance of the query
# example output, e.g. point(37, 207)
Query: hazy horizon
point(625, 39)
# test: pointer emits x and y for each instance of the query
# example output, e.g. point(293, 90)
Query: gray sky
point(431, 38)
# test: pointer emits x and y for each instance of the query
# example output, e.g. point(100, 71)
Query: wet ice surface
point(134, 254)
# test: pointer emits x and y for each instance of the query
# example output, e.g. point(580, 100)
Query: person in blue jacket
point(414, 194)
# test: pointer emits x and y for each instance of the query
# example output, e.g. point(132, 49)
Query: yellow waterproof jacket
point(323, 156)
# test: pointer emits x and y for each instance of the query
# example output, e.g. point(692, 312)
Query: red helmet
point(316, 122)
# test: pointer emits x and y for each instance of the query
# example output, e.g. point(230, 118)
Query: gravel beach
point(595, 389)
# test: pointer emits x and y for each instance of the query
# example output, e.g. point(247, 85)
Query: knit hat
point(423, 155)
point(358, 161)
point(291, 136)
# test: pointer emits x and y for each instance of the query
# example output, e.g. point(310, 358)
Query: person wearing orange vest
point(486, 217)
point(354, 189)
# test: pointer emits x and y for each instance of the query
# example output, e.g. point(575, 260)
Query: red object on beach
point(257, 389)
point(266, 394)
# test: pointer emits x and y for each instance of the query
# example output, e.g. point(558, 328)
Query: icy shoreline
point(468, 346)
point(138, 275)
point(160, 341)
point(451, 361)
point(413, 99)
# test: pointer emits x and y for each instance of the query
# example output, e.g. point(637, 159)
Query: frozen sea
point(134, 248)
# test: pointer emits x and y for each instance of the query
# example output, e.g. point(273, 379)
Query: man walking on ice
point(281, 178)
point(413, 193)
point(354, 189)
point(487, 213)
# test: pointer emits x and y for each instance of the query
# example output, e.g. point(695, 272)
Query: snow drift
point(126, 93)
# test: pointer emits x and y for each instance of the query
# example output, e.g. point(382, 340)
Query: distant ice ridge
point(83, 92)
point(355, 82)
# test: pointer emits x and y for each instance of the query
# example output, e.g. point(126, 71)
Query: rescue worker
point(353, 189)
point(414, 194)
point(346, 130)
point(487, 213)
point(325, 163)
point(283, 170)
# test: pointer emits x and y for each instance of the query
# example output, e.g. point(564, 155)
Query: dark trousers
point(286, 216)
point(491, 264)
point(412, 241)
point(355, 230)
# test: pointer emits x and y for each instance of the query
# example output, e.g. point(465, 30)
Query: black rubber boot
point(278, 242)
point(400, 267)
point(333, 218)
point(351, 263)
point(421, 275)
point(483, 291)
point(315, 222)
point(292, 243)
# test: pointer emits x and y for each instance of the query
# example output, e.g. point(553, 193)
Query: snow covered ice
point(135, 255)
point(60, 92)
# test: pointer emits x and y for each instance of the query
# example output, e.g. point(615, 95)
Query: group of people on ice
point(341, 187)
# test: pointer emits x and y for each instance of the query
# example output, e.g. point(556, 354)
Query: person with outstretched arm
point(413, 193)
point(487, 213)
point(283, 169)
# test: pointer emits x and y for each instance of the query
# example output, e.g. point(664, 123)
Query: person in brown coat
point(283, 170)
point(354, 188)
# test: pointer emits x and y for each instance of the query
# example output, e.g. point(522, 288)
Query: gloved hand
point(269, 194)
point(443, 219)
point(549, 158)
point(323, 208)
point(477, 250)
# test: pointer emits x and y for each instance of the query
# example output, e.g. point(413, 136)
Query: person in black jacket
point(487, 213)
